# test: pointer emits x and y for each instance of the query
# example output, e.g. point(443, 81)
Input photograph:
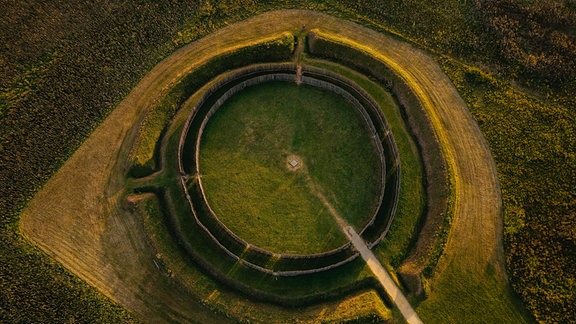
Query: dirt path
point(297, 59)
point(76, 218)
point(373, 263)
point(299, 74)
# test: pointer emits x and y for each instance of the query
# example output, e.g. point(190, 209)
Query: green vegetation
point(244, 166)
point(357, 307)
point(58, 298)
point(177, 251)
point(512, 61)
point(60, 77)
point(524, 41)
point(363, 59)
point(304, 290)
point(456, 257)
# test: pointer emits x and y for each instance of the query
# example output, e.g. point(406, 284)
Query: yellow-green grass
point(142, 153)
point(244, 166)
point(76, 217)
point(312, 287)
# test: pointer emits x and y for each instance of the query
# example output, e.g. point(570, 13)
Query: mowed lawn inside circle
point(269, 152)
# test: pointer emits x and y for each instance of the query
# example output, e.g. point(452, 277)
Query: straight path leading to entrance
point(383, 277)
point(395, 294)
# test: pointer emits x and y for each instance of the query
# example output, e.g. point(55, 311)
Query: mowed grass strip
point(245, 153)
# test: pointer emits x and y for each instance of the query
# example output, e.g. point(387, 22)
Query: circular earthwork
point(239, 248)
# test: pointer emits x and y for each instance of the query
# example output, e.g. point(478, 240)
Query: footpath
point(383, 277)
point(395, 294)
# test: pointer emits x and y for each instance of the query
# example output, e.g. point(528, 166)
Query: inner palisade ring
point(268, 152)
point(275, 157)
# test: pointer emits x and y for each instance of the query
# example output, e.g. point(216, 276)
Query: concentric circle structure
point(117, 231)
point(240, 248)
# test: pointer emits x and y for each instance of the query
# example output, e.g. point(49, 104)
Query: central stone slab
point(294, 162)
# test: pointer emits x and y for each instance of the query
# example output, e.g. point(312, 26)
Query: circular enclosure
point(270, 159)
point(269, 154)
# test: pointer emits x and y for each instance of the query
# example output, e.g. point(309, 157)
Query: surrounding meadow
point(512, 61)
point(244, 160)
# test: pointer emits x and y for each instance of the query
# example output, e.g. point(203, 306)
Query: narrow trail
point(299, 49)
point(299, 74)
point(375, 266)
point(297, 59)
point(383, 277)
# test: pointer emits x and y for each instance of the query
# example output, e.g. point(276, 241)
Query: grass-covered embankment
point(155, 120)
point(433, 217)
point(178, 248)
point(412, 196)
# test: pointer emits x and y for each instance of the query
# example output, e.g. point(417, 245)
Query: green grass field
point(244, 166)
point(106, 137)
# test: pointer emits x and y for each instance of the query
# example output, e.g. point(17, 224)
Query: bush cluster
point(528, 41)
point(535, 38)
